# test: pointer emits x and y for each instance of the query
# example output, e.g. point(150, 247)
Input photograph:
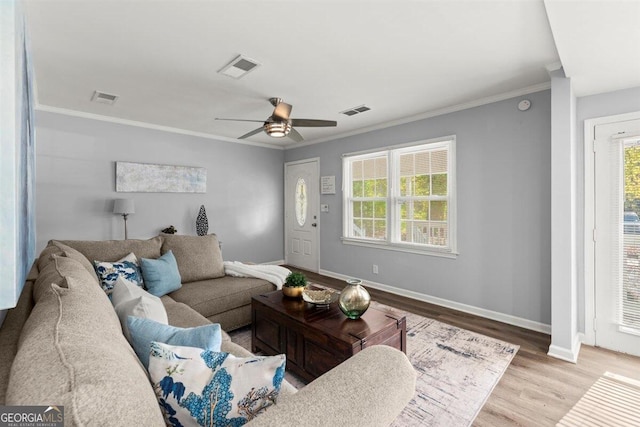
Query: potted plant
point(294, 284)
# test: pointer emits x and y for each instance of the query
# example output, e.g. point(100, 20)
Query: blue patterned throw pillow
point(127, 268)
point(208, 388)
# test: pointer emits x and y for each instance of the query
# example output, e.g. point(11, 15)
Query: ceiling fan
point(279, 124)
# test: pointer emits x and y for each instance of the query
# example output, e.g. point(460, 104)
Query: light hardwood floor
point(536, 389)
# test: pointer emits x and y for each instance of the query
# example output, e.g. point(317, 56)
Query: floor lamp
point(124, 207)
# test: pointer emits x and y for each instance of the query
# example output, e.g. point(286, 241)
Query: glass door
point(617, 236)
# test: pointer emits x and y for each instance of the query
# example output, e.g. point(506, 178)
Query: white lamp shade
point(123, 206)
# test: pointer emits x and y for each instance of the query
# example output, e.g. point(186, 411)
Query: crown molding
point(109, 119)
point(433, 113)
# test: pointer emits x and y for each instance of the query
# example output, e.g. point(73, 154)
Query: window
point(402, 198)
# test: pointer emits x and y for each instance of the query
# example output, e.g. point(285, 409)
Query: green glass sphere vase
point(354, 299)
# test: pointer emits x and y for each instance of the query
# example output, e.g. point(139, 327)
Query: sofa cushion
point(69, 252)
point(126, 268)
point(161, 275)
point(198, 257)
point(55, 270)
point(73, 353)
point(45, 256)
point(210, 386)
point(131, 300)
point(210, 297)
point(113, 250)
point(182, 315)
point(145, 331)
point(57, 248)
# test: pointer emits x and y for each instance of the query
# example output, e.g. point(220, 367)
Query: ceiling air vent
point(355, 110)
point(239, 67)
point(104, 98)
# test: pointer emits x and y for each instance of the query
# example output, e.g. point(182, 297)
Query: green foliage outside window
point(358, 186)
point(632, 179)
point(439, 184)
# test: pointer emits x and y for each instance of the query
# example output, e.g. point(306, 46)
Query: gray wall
point(503, 179)
point(591, 107)
point(75, 186)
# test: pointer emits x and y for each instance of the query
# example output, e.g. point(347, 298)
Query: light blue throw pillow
point(145, 331)
point(161, 276)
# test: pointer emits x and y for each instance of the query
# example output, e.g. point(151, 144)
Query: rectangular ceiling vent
point(239, 67)
point(104, 98)
point(355, 110)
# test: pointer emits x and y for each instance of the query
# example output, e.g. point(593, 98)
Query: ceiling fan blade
point(241, 120)
point(311, 123)
point(253, 132)
point(295, 135)
point(282, 111)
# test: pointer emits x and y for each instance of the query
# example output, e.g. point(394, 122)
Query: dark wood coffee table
point(314, 338)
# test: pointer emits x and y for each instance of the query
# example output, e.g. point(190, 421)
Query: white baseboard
point(279, 262)
point(489, 314)
point(567, 354)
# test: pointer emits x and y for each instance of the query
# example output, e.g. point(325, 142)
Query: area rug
point(613, 400)
point(457, 371)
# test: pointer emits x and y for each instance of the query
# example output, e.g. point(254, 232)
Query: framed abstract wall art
point(152, 178)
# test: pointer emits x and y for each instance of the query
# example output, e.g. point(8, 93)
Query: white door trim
point(589, 219)
point(316, 213)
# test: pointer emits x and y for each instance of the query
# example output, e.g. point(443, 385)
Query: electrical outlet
point(375, 269)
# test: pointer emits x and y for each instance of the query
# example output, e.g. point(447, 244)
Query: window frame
point(393, 228)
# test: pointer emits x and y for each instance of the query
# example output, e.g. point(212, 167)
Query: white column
point(565, 343)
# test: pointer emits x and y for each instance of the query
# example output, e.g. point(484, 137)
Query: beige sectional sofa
point(221, 299)
point(63, 343)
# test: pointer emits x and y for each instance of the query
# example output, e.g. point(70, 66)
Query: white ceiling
point(598, 43)
point(403, 59)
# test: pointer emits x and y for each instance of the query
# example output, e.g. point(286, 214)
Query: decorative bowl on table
point(322, 297)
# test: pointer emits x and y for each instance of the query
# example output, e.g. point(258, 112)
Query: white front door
point(617, 236)
point(301, 200)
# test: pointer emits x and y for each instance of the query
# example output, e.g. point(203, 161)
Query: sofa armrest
point(369, 389)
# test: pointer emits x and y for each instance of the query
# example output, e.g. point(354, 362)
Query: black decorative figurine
point(202, 224)
point(170, 230)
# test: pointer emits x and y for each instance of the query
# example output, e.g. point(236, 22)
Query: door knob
point(314, 225)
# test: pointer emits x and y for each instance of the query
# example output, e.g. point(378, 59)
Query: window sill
point(400, 248)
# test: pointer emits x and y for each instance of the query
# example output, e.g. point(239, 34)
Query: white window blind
point(368, 197)
point(625, 253)
point(402, 197)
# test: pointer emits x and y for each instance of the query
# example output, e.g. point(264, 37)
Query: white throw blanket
point(271, 273)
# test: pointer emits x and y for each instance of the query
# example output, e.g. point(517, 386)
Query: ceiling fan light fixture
point(277, 129)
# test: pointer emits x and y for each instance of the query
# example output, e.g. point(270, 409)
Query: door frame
point(589, 337)
point(316, 194)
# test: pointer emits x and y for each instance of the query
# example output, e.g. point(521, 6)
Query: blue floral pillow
point(127, 268)
point(208, 388)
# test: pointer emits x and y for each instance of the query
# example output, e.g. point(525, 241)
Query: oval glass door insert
point(301, 202)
